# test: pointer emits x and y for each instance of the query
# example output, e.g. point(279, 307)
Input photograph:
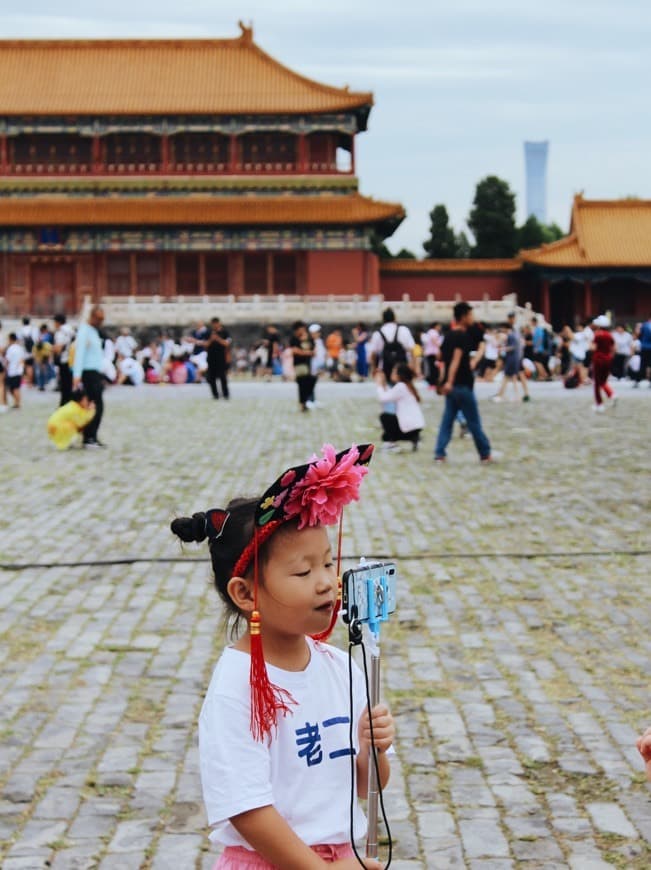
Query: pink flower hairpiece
point(316, 493)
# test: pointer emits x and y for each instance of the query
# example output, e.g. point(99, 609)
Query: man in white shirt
point(130, 371)
point(392, 343)
point(3, 389)
point(15, 361)
point(125, 343)
point(623, 350)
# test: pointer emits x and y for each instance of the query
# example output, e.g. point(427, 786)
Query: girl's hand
point(644, 748)
point(384, 729)
point(353, 864)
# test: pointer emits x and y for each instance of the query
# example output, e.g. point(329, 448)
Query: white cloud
point(458, 85)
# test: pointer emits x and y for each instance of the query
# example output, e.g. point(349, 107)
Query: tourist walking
point(334, 346)
point(271, 351)
point(63, 337)
point(392, 343)
point(302, 347)
point(87, 370)
point(360, 337)
point(645, 350)
point(432, 340)
point(218, 349)
point(623, 350)
point(603, 346)
point(513, 371)
point(15, 356)
point(458, 386)
point(579, 350)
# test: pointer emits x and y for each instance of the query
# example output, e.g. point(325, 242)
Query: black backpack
point(392, 353)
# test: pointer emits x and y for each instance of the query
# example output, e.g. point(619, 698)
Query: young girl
point(408, 420)
point(67, 423)
point(274, 728)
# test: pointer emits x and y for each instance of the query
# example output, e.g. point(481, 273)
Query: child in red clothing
point(603, 346)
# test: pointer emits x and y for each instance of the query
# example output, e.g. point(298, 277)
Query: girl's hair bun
point(190, 529)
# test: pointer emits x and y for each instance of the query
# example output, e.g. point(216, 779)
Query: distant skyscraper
point(535, 157)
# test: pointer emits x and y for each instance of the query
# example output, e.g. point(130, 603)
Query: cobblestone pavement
point(517, 665)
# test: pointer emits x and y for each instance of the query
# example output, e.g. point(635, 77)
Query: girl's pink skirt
point(239, 858)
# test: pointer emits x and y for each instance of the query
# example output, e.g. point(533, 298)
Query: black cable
point(415, 557)
point(375, 760)
point(351, 644)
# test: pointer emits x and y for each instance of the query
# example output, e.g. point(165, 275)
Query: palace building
point(166, 168)
point(141, 173)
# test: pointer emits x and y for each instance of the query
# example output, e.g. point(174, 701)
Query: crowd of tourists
point(51, 356)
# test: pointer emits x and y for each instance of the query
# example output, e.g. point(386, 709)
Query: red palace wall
point(341, 272)
point(450, 286)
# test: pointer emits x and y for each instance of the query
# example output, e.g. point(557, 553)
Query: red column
point(587, 300)
point(544, 301)
point(3, 154)
point(133, 275)
point(97, 155)
point(165, 153)
point(233, 154)
point(168, 275)
point(202, 274)
point(302, 153)
point(270, 274)
point(236, 273)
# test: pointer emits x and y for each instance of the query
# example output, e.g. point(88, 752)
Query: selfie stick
point(377, 615)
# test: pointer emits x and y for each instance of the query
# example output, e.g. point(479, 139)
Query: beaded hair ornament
point(314, 494)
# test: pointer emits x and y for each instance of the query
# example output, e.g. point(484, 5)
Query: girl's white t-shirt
point(304, 771)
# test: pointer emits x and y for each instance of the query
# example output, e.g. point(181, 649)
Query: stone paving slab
point(516, 665)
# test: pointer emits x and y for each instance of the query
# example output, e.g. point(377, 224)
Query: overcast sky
point(459, 85)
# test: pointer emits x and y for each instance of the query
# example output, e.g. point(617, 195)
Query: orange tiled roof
point(603, 233)
point(388, 267)
point(158, 76)
point(324, 210)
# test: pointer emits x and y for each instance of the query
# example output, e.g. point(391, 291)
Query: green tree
point(533, 234)
point(442, 243)
point(378, 247)
point(405, 254)
point(492, 219)
point(463, 246)
point(553, 232)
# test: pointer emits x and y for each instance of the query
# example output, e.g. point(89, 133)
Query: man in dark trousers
point(458, 386)
point(218, 346)
point(63, 337)
point(87, 370)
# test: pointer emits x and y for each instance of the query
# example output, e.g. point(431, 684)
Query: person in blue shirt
point(645, 350)
point(87, 370)
point(541, 348)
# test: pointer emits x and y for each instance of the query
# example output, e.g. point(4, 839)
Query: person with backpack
point(390, 345)
point(542, 348)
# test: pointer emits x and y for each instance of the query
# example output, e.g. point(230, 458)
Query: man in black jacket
point(218, 348)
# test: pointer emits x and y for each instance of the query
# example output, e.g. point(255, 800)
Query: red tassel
point(267, 700)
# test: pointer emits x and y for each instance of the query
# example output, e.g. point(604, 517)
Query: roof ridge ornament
point(246, 36)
